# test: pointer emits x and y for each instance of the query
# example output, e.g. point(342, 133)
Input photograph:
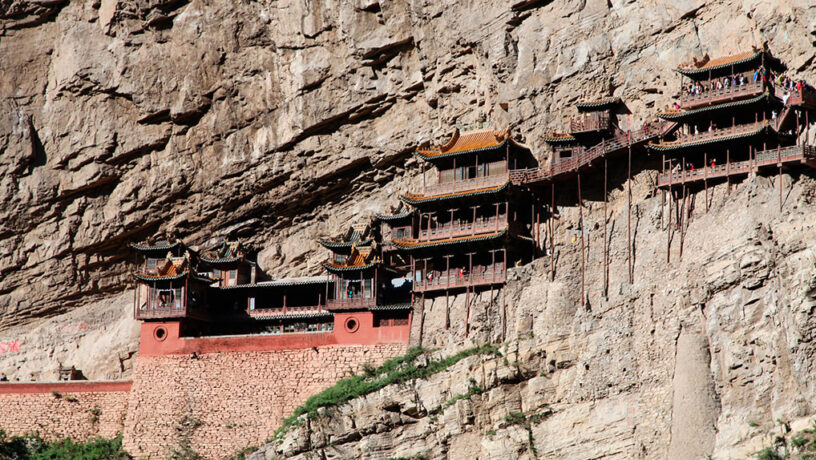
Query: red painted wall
point(355, 328)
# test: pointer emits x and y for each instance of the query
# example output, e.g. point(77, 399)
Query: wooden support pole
point(606, 256)
point(728, 168)
point(705, 177)
point(779, 163)
point(663, 192)
point(552, 228)
point(669, 226)
point(629, 209)
point(581, 223)
point(467, 293)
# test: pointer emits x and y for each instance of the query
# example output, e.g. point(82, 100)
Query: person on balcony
point(756, 76)
point(713, 162)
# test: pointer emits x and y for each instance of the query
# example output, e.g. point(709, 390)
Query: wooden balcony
point(805, 98)
point(154, 310)
point(452, 230)
point(796, 154)
point(466, 184)
point(442, 280)
point(351, 303)
point(591, 123)
point(719, 96)
point(716, 135)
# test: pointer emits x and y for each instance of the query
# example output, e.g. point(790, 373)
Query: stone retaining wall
point(219, 403)
point(76, 410)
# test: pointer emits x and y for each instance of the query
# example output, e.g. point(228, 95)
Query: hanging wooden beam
point(705, 177)
point(581, 223)
point(629, 207)
point(605, 255)
point(552, 228)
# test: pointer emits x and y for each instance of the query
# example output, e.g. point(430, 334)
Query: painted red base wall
point(356, 328)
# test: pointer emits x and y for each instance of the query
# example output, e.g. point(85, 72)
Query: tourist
point(713, 162)
point(3, 378)
point(773, 114)
point(756, 76)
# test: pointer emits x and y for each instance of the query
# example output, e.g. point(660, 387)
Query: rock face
point(280, 121)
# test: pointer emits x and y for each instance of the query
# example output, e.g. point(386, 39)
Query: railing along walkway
point(776, 157)
point(585, 157)
point(287, 311)
point(444, 231)
point(452, 279)
point(708, 97)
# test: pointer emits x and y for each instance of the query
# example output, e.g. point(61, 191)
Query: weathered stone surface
point(279, 122)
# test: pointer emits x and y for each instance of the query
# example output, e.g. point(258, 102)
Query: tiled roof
point(705, 65)
point(676, 145)
point(158, 245)
point(393, 217)
point(599, 103)
point(360, 258)
point(678, 114)
point(411, 243)
point(471, 141)
point(228, 252)
point(355, 235)
point(391, 307)
point(414, 199)
point(558, 137)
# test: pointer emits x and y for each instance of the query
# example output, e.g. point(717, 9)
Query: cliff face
point(280, 121)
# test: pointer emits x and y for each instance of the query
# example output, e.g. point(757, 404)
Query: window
point(233, 274)
point(252, 303)
point(340, 258)
point(565, 154)
point(216, 273)
point(368, 288)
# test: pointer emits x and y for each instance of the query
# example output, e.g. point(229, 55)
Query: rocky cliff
point(279, 121)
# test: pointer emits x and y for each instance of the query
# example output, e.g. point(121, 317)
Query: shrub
point(35, 448)
point(768, 454)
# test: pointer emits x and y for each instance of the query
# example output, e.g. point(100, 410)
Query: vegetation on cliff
point(396, 370)
point(35, 448)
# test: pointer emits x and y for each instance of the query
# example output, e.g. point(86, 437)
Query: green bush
point(392, 371)
point(768, 454)
point(33, 447)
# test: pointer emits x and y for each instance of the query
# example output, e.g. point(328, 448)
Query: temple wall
point(223, 402)
point(78, 410)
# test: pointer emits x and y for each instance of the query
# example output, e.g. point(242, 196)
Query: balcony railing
point(287, 311)
point(350, 303)
point(719, 133)
point(712, 96)
point(590, 123)
point(453, 279)
point(174, 309)
point(774, 157)
point(452, 230)
point(466, 184)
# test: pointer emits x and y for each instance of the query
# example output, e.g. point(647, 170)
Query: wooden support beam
point(581, 223)
point(552, 227)
point(605, 255)
point(629, 208)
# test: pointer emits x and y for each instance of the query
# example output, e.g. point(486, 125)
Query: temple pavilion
point(470, 222)
point(737, 115)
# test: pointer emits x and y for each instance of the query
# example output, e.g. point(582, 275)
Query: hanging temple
point(483, 203)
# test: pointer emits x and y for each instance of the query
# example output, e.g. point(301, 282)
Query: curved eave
point(160, 247)
point(601, 104)
point(346, 268)
point(689, 113)
point(401, 244)
point(560, 140)
point(391, 307)
point(670, 147)
point(429, 155)
point(387, 218)
point(223, 260)
point(148, 278)
point(451, 196)
point(704, 70)
point(343, 244)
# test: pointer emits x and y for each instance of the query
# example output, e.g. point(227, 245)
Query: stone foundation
point(76, 410)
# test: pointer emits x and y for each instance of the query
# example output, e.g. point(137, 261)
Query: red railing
point(774, 157)
point(453, 279)
point(491, 224)
point(586, 156)
point(466, 184)
point(591, 122)
point(711, 96)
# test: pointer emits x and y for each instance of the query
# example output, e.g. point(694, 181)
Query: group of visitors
point(698, 88)
point(690, 166)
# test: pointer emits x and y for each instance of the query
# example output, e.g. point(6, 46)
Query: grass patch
point(768, 453)
point(33, 447)
point(396, 370)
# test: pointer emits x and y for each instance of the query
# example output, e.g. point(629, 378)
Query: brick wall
point(28, 408)
point(232, 400)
